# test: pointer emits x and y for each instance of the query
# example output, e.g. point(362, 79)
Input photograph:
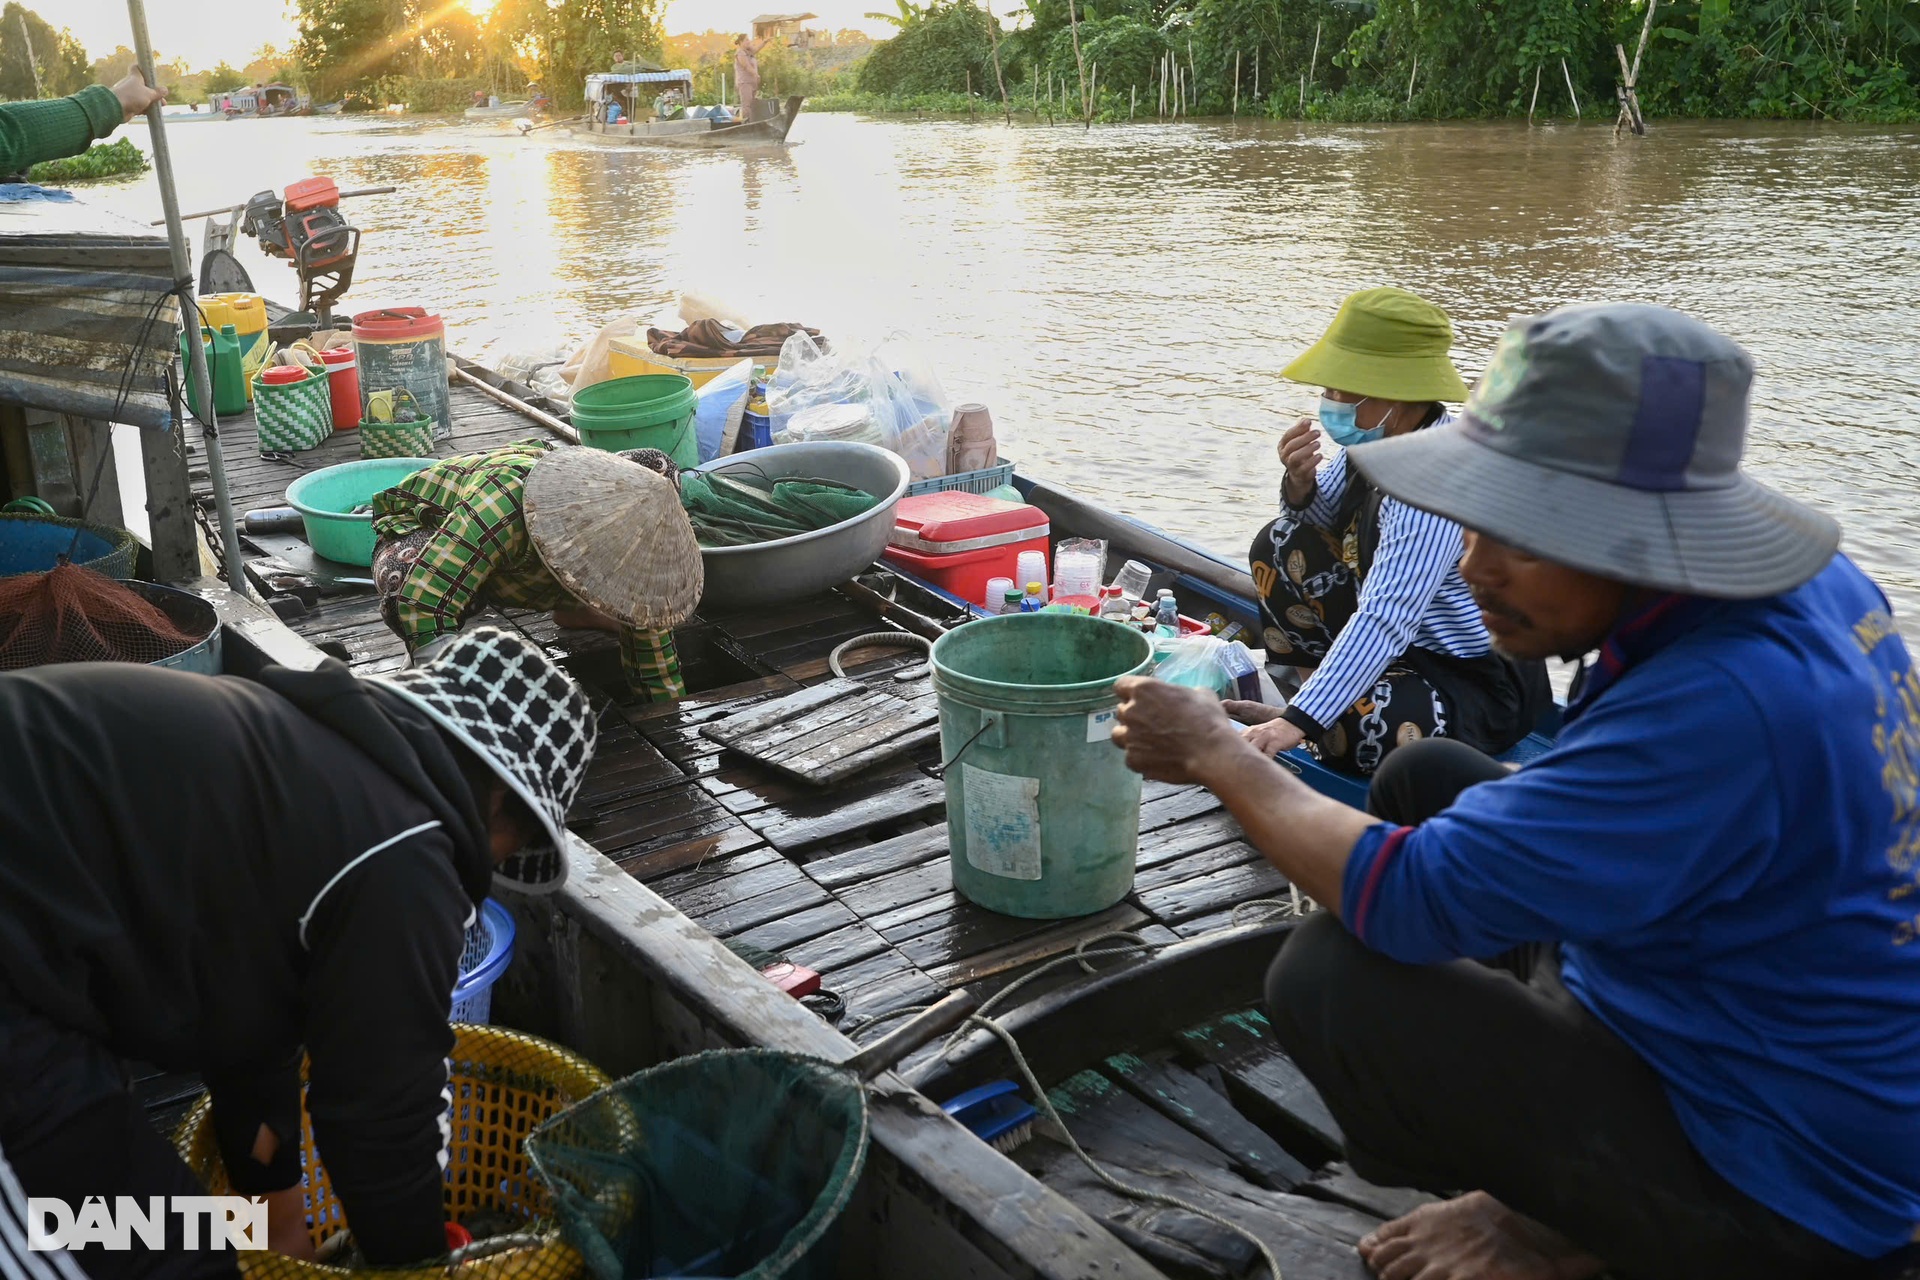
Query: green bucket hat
point(1387, 344)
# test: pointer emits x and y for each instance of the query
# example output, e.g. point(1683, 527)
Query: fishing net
point(503, 1084)
point(72, 614)
point(733, 510)
point(732, 1163)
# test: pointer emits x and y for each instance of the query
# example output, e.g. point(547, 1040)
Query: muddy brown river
point(1123, 299)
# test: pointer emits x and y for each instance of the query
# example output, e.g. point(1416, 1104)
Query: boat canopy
point(598, 82)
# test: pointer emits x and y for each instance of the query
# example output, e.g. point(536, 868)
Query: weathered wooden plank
point(1178, 807)
point(1266, 1084)
point(1341, 1185)
point(857, 866)
point(1189, 1102)
point(880, 985)
point(786, 711)
point(1218, 891)
point(802, 831)
point(881, 896)
point(693, 851)
point(740, 914)
point(711, 894)
point(719, 868)
point(1193, 866)
point(1062, 937)
point(873, 745)
point(838, 950)
point(1182, 838)
point(783, 932)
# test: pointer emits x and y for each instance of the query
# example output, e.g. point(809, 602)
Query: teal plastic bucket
point(646, 411)
point(326, 499)
point(1043, 815)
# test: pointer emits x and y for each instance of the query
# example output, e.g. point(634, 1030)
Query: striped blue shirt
point(1413, 595)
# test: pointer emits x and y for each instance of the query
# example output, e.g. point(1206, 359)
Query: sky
point(231, 30)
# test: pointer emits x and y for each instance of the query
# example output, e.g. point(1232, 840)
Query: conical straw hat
point(614, 534)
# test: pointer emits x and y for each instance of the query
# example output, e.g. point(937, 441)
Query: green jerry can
point(223, 362)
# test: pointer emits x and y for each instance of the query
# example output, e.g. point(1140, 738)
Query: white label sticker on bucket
point(1100, 724)
point(1003, 823)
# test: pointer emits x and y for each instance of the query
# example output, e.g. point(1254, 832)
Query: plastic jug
point(223, 362)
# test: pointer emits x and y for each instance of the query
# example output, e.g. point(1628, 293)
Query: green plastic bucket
point(1043, 815)
point(647, 411)
point(326, 499)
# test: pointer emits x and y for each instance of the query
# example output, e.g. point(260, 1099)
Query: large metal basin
point(192, 614)
point(787, 568)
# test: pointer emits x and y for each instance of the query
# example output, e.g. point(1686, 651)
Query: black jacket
point(210, 873)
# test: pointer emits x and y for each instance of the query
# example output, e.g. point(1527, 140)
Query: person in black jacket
point(217, 874)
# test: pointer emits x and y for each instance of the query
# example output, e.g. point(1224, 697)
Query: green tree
point(225, 78)
point(940, 49)
point(561, 42)
point(57, 57)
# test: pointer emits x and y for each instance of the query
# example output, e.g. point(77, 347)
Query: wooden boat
point(769, 130)
point(505, 111)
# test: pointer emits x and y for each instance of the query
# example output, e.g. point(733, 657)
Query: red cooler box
point(958, 541)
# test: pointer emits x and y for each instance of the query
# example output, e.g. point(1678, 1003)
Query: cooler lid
point(955, 521)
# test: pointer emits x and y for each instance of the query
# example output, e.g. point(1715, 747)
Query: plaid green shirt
point(56, 128)
point(481, 553)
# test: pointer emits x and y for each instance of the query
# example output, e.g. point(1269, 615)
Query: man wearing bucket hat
point(599, 538)
point(1360, 589)
point(1697, 1053)
point(213, 875)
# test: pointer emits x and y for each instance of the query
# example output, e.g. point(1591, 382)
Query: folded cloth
point(707, 339)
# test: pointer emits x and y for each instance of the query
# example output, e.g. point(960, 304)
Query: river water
point(1123, 298)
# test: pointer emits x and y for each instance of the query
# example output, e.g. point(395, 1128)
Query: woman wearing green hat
point(1363, 592)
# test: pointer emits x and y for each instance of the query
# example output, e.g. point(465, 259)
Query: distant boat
point(692, 126)
point(505, 111)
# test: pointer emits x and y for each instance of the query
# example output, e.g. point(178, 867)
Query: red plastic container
point(279, 375)
point(312, 193)
point(959, 541)
point(343, 384)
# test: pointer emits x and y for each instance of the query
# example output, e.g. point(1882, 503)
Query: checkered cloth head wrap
point(499, 694)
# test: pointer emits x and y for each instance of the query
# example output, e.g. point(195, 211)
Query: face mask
point(1342, 423)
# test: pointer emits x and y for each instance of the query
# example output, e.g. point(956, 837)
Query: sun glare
point(480, 8)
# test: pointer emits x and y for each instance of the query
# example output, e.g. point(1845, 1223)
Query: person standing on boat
point(1363, 591)
point(33, 132)
point(598, 538)
point(1691, 1046)
point(746, 72)
point(216, 875)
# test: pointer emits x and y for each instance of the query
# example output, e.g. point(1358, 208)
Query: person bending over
point(1653, 1000)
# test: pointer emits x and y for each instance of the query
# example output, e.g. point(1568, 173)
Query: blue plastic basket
point(966, 482)
point(489, 952)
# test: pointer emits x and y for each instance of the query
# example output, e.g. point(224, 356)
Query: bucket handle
point(988, 720)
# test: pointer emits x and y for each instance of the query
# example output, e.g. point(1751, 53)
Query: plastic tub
point(328, 496)
point(650, 411)
point(489, 952)
point(405, 347)
point(630, 357)
point(1043, 815)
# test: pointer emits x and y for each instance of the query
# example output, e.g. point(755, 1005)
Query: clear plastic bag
point(1226, 668)
point(886, 396)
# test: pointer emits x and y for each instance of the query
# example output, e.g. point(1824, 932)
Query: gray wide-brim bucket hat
point(1607, 437)
point(512, 706)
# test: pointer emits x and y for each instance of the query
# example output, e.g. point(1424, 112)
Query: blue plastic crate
point(488, 952)
point(967, 481)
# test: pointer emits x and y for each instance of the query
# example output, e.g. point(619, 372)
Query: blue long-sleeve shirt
point(1412, 595)
point(1726, 841)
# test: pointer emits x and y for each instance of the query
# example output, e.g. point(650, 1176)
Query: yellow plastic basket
point(504, 1084)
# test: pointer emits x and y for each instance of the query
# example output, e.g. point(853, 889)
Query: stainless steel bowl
point(788, 568)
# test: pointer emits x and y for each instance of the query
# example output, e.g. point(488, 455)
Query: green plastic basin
point(326, 498)
point(646, 411)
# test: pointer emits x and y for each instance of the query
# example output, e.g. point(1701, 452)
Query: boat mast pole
point(197, 375)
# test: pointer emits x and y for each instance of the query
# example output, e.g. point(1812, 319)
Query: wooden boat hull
point(771, 132)
point(505, 111)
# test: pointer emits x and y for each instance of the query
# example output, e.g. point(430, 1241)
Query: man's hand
point(1172, 733)
point(1300, 455)
point(1273, 736)
point(286, 1210)
point(1248, 712)
point(135, 94)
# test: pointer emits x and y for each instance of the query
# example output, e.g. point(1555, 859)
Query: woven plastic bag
point(293, 416)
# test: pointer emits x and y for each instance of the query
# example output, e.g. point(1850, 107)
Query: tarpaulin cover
point(77, 288)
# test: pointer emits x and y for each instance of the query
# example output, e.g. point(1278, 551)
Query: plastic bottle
point(1011, 602)
point(1113, 604)
point(1132, 580)
point(1037, 593)
point(1166, 615)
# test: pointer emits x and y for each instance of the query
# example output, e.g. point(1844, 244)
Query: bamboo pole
point(1313, 62)
point(1079, 60)
point(1536, 94)
point(1570, 93)
point(1256, 73)
point(1133, 100)
point(993, 38)
point(1093, 93)
point(1410, 76)
point(26, 38)
point(1193, 74)
point(1236, 84)
point(969, 90)
point(198, 377)
point(1646, 29)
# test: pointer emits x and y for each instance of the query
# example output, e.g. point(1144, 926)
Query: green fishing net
point(734, 1163)
point(738, 508)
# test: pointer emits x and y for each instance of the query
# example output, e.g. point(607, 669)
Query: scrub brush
point(996, 1114)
